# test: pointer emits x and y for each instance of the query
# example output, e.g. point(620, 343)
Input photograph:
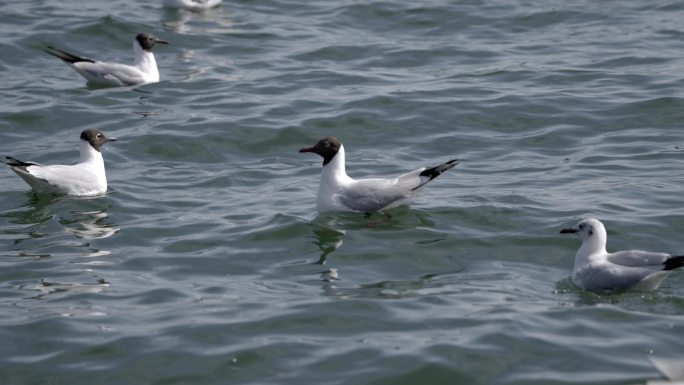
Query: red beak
point(306, 149)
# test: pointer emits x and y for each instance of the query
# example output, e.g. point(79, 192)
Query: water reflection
point(45, 288)
point(433, 284)
point(329, 229)
point(47, 225)
point(85, 218)
point(89, 224)
point(212, 21)
point(399, 218)
point(327, 239)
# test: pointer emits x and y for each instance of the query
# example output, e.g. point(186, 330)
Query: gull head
point(327, 147)
point(147, 41)
point(96, 138)
point(587, 229)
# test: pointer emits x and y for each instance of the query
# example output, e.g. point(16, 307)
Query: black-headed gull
point(339, 192)
point(600, 271)
point(144, 69)
point(87, 177)
point(191, 4)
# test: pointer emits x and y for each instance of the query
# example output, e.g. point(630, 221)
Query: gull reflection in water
point(84, 217)
point(49, 226)
point(205, 22)
point(45, 288)
point(327, 240)
point(89, 224)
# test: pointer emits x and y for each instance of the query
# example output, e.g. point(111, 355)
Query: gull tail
point(18, 164)
point(674, 262)
point(66, 56)
point(434, 172)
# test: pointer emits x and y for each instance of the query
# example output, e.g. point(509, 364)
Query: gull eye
point(98, 136)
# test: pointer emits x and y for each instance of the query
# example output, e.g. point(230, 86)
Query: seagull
point(191, 4)
point(600, 271)
point(339, 192)
point(85, 178)
point(144, 69)
point(671, 368)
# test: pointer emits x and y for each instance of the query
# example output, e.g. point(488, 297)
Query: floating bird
point(87, 177)
point(339, 192)
point(600, 271)
point(671, 368)
point(144, 69)
point(194, 5)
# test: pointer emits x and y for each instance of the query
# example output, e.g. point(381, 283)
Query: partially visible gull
point(194, 5)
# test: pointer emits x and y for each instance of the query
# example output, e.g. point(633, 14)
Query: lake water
point(207, 263)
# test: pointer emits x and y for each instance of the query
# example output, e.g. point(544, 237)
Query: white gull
point(142, 71)
point(339, 192)
point(85, 178)
point(599, 271)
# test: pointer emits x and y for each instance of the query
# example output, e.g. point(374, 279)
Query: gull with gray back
point(339, 192)
point(599, 271)
point(85, 178)
point(142, 71)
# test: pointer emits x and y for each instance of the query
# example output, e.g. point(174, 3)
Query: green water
point(207, 263)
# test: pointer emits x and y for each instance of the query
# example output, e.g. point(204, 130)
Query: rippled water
point(206, 263)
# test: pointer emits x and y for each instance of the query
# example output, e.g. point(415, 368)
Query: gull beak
point(111, 139)
point(160, 41)
point(569, 230)
point(306, 149)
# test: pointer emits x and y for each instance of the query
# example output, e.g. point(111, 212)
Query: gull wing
point(369, 195)
point(110, 73)
point(638, 258)
point(610, 277)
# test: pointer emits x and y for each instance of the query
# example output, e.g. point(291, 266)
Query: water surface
point(206, 263)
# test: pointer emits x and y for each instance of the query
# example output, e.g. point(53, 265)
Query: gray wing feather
point(369, 201)
point(638, 258)
point(612, 278)
point(120, 74)
point(370, 195)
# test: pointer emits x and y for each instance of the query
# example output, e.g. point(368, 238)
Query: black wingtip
point(56, 53)
point(66, 56)
point(15, 162)
point(434, 172)
point(674, 262)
